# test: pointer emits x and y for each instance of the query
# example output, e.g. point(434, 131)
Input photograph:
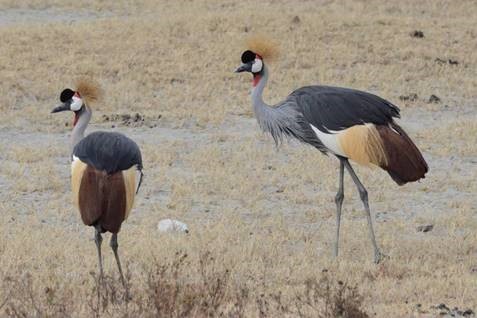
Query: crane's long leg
point(114, 245)
point(364, 197)
point(98, 240)
point(339, 203)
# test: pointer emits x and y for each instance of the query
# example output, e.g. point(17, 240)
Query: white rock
point(169, 225)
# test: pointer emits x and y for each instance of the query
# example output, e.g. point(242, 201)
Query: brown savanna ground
point(262, 221)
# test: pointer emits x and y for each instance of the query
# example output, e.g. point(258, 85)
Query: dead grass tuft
point(168, 290)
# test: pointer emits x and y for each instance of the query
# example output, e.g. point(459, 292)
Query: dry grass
point(262, 222)
point(167, 290)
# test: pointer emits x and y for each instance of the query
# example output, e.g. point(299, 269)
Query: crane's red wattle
point(256, 79)
point(75, 119)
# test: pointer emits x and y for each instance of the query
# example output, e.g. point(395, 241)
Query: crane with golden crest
point(106, 169)
point(347, 123)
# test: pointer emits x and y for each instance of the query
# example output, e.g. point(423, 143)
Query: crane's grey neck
point(270, 119)
point(78, 130)
point(284, 120)
point(257, 91)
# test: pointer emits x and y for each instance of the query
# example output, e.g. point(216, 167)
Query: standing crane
point(106, 170)
point(347, 123)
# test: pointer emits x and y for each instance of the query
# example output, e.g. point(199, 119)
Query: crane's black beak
point(245, 67)
point(61, 108)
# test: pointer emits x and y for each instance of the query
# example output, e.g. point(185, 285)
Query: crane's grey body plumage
point(105, 151)
point(336, 108)
point(327, 108)
point(283, 121)
point(108, 151)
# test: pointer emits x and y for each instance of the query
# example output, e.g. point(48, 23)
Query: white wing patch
point(75, 161)
point(330, 141)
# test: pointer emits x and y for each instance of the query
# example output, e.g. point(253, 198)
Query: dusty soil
point(266, 214)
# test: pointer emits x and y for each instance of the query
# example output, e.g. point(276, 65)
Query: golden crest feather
point(263, 46)
point(89, 90)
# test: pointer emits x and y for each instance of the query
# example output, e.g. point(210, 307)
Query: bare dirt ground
point(264, 217)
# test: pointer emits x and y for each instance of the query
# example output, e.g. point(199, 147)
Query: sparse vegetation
point(168, 292)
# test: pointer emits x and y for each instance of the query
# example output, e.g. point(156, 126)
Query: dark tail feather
point(404, 161)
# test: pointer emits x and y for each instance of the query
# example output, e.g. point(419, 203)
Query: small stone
point(424, 229)
point(434, 99)
point(447, 61)
point(169, 225)
point(296, 19)
point(417, 34)
point(468, 313)
point(411, 97)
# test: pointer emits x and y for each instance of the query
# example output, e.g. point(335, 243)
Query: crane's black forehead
point(248, 56)
point(66, 95)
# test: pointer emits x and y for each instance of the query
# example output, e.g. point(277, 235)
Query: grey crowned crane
point(106, 170)
point(346, 123)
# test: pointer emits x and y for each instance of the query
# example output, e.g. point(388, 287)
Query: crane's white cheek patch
point(330, 141)
point(76, 104)
point(257, 66)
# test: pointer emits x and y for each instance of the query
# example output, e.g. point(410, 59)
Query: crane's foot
point(127, 296)
point(379, 257)
point(335, 251)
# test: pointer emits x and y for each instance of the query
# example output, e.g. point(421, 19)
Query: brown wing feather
point(102, 199)
point(114, 203)
point(90, 195)
point(404, 160)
